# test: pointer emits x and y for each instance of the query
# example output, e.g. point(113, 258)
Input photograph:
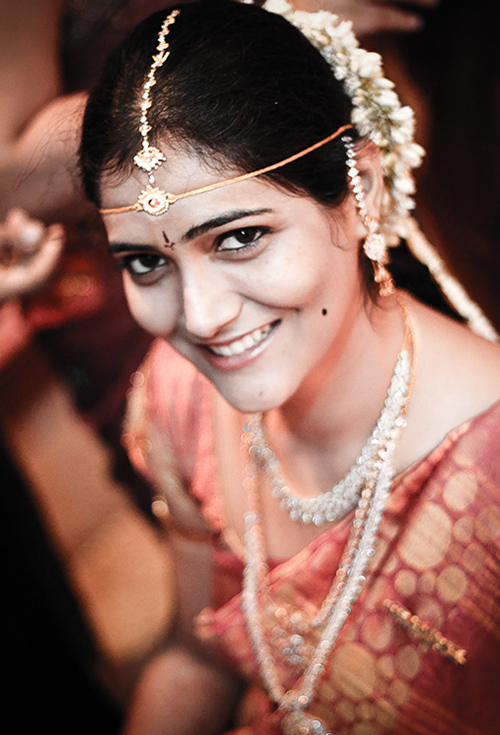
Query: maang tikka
point(152, 199)
point(374, 246)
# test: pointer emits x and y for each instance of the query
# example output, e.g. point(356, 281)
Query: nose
point(210, 303)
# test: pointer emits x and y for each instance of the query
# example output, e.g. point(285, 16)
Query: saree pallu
point(436, 573)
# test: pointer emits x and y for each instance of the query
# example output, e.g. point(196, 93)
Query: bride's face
point(253, 285)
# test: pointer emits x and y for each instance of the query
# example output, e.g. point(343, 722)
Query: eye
point(243, 238)
point(142, 264)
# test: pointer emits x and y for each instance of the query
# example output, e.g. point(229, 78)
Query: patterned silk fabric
point(438, 556)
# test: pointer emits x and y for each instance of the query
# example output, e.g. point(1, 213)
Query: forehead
point(180, 167)
point(185, 171)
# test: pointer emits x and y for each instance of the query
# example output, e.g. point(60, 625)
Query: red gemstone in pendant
point(154, 201)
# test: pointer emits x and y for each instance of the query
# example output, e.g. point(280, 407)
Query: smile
point(241, 345)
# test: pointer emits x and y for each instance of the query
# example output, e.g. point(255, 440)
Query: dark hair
point(241, 87)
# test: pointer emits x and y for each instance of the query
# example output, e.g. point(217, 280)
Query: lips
point(241, 345)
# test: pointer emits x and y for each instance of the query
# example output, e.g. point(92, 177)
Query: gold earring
point(375, 246)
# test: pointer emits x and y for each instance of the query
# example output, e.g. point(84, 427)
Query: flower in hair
point(377, 111)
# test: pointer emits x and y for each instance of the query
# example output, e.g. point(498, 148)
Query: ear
point(370, 169)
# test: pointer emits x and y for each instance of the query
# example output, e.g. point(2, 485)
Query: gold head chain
point(154, 200)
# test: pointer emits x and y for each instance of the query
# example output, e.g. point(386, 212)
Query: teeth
point(240, 345)
point(247, 342)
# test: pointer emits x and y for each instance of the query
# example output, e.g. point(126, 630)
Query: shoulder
point(454, 360)
point(474, 447)
point(169, 438)
point(165, 367)
point(177, 393)
point(457, 377)
point(171, 400)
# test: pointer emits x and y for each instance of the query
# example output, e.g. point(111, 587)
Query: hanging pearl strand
point(349, 578)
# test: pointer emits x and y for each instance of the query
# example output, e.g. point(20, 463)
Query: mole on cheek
point(324, 312)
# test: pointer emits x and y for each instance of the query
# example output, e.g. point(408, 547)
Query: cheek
point(289, 278)
point(151, 308)
point(321, 264)
point(308, 281)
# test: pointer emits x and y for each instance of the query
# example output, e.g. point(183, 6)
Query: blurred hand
point(374, 16)
point(29, 253)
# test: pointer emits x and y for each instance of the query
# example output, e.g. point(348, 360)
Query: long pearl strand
point(351, 573)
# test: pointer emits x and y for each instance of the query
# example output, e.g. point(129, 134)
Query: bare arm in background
point(181, 691)
point(370, 17)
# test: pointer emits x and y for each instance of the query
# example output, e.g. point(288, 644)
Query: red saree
point(438, 557)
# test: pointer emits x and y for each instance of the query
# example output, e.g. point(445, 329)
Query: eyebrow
point(220, 221)
point(196, 231)
point(125, 247)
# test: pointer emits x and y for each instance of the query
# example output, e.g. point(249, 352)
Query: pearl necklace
point(350, 575)
point(340, 500)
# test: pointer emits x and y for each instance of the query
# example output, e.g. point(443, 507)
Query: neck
point(333, 413)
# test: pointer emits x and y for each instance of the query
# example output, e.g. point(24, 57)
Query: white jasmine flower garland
point(377, 111)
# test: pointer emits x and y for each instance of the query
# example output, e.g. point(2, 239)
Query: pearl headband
point(154, 200)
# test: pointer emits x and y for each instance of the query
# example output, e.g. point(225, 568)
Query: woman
point(248, 196)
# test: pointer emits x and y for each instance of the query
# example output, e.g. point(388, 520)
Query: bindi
point(168, 243)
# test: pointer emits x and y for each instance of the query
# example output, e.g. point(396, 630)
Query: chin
point(252, 402)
